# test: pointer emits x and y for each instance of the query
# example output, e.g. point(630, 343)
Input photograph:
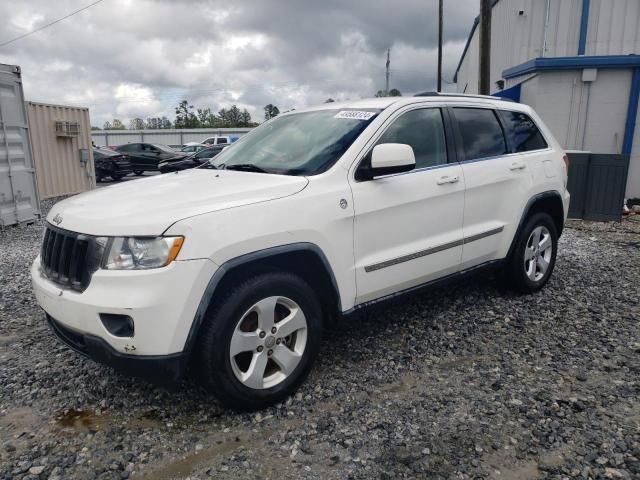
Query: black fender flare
point(525, 213)
point(229, 265)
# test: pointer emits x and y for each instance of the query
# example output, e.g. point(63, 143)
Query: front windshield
point(305, 143)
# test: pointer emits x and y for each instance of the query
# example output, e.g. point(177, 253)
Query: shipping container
point(19, 201)
point(62, 153)
point(171, 137)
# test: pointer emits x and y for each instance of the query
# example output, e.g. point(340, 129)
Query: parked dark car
point(191, 161)
point(145, 157)
point(110, 164)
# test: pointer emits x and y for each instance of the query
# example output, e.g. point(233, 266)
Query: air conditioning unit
point(67, 129)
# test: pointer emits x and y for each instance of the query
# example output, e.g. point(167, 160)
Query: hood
point(149, 206)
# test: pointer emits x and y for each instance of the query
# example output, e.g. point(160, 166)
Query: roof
point(428, 97)
point(466, 46)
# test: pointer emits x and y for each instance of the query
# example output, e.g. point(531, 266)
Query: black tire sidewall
point(516, 273)
point(213, 355)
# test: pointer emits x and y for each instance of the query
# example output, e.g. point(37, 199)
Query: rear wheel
point(116, 178)
point(138, 172)
point(258, 344)
point(534, 256)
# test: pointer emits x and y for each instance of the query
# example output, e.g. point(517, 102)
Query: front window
point(305, 143)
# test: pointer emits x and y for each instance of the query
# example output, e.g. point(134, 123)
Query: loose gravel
point(467, 381)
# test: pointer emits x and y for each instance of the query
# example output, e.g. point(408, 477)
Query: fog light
point(118, 325)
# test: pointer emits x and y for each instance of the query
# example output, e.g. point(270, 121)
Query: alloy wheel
point(268, 342)
point(537, 253)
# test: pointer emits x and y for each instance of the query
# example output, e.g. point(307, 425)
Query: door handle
point(518, 166)
point(446, 179)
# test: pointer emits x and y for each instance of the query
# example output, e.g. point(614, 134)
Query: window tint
point(222, 140)
point(522, 132)
point(131, 147)
point(422, 129)
point(481, 133)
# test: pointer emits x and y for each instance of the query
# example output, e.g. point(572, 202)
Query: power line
point(49, 24)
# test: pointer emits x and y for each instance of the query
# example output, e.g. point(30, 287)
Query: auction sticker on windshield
point(355, 114)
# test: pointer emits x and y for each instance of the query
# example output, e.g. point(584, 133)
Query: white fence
point(172, 137)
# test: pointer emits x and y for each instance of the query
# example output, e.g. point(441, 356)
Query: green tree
point(107, 125)
point(117, 125)
point(165, 123)
point(329, 100)
point(95, 128)
point(136, 124)
point(271, 111)
point(394, 92)
point(206, 118)
point(185, 118)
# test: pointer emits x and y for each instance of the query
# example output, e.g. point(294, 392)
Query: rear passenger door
point(497, 178)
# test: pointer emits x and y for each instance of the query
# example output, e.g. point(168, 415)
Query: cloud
point(127, 58)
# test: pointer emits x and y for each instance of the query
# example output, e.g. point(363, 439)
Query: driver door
point(408, 226)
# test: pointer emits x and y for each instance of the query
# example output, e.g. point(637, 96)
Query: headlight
point(138, 253)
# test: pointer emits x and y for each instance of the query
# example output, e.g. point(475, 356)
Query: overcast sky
point(139, 58)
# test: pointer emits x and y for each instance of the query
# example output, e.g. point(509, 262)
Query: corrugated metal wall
point(612, 30)
point(19, 200)
point(613, 27)
point(57, 159)
point(517, 38)
point(165, 137)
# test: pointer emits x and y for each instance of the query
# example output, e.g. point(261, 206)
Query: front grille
point(66, 258)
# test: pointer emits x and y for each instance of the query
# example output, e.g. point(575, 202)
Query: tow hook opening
point(118, 325)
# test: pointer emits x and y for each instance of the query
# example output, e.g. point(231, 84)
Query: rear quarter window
point(522, 132)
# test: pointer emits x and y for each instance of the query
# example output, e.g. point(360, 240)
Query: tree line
point(189, 117)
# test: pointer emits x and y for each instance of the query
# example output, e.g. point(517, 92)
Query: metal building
point(61, 144)
point(171, 137)
point(575, 63)
point(19, 200)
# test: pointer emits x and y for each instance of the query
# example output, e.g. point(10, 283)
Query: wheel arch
point(304, 259)
point(549, 202)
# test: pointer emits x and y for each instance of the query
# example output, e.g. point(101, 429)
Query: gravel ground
point(467, 381)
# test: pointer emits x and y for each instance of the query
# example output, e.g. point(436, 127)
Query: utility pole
point(440, 15)
point(386, 91)
point(484, 77)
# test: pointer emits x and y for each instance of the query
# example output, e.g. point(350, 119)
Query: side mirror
point(388, 158)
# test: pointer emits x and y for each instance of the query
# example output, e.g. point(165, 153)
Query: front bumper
point(161, 369)
point(162, 303)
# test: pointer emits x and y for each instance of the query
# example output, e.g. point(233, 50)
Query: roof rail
point(463, 95)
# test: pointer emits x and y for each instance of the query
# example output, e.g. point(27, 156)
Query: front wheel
point(531, 263)
point(259, 342)
point(138, 172)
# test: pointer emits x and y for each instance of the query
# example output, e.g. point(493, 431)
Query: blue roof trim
point(466, 46)
point(511, 93)
point(572, 63)
point(584, 26)
point(632, 113)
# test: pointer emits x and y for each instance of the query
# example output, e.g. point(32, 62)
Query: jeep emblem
point(57, 219)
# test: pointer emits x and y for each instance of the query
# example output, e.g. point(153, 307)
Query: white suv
point(234, 269)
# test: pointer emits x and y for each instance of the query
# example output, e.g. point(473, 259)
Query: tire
point(116, 178)
point(138, 172)
point(525, 269)
point(263, 370)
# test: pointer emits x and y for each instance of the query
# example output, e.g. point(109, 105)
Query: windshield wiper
point(243, 167)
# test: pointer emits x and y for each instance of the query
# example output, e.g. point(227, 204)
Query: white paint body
point(356, 224)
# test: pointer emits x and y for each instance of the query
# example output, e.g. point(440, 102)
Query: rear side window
point(132, 147)
point(523, 134)
point(222, 140)
point(481, 133)
point(422, 129)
